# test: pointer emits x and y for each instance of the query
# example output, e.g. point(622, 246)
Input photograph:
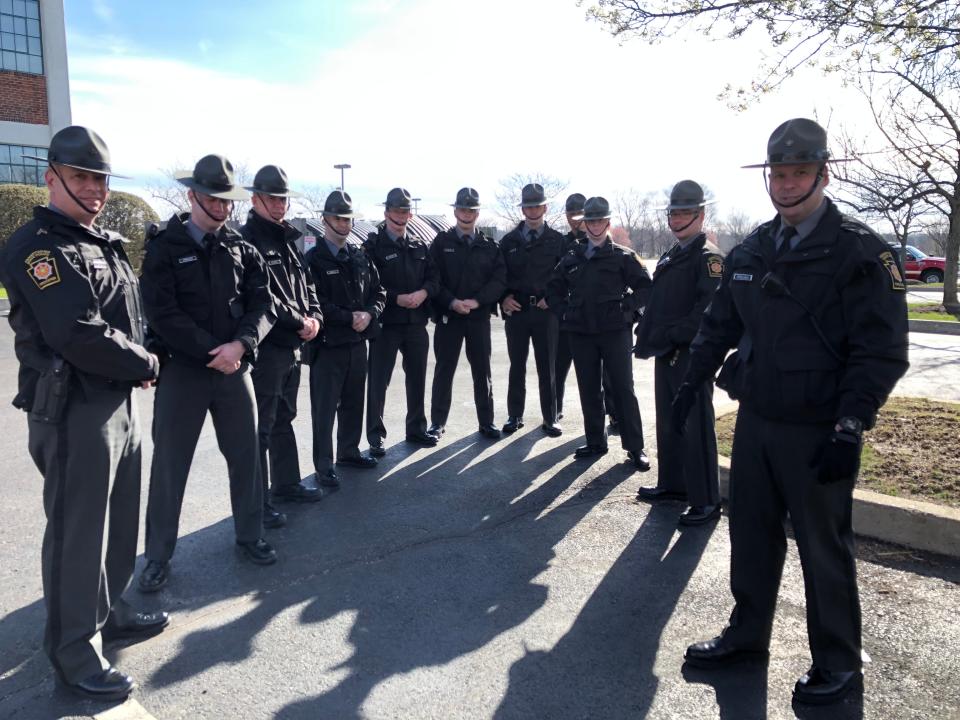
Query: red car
point(919, 266)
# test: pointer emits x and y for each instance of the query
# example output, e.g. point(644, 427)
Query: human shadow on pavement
point(741, 691)
point(604, 665)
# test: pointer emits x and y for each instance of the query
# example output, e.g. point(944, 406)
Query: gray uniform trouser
point(337, 378)
point(685, 463)
point(276, 382)
point(90, 462)
point(183, 397)
point(770, 477)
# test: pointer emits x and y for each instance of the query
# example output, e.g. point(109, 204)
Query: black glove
point(840, 459)
point(684, 401)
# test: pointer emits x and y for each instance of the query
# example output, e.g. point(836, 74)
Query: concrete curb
point(4, 304)
point(935, 326)
point(913, 523)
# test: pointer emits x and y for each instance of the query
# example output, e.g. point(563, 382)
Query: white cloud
point(448, 93)
point(102, 10)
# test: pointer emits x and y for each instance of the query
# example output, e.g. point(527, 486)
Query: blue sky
point(431, 95)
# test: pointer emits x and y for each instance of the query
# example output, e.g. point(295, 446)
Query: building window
point(15, 168)
point(21, 48)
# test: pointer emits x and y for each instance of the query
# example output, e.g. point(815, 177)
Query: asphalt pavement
point(477, 579)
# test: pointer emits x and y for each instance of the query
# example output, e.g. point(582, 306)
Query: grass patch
point(3, 292)
point(930, 311)
point(911, 453)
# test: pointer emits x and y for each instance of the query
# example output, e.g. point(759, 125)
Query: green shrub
point(16, 207)
point(128, 214)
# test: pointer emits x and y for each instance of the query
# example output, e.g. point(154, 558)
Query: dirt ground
point(913, 452)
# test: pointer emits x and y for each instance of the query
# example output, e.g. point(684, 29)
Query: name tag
point(187, 259)
point(573, 269)
point(274, 261)
point(333, 272)
point(513, 250)
point(99, 264)
point(453, 250)
point(391, 256)
point(743, 277)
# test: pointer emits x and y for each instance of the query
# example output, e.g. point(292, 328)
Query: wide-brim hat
point(399, 198)
point(338, 203)
point(81, 148)
point(574, 205)
point(272, 180)
point(596, 208)
point(467, 199)
point(797, 142)
point(687, 195)
point(213, 176)
point(532, 195)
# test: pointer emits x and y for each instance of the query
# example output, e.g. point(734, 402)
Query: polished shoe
point(613, 427)
point(822, 687)
point(639, 459)
point(552, 429)
point(653, 494)
point(424, 439)
point(717, 653)
point(512, 425)
point(358, 461)
point(105, 686)
point(376, 449)
point(436, 430)
point(490, 431)
point(141, 625)
point(699, 514)
point(585, 451)
point(329, 480)
point(154, 576)
point(273, 519)
point(296, 493)
point(258, 551)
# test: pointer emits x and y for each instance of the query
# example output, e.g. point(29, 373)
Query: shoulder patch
point(715, 266)
point(893, 269)
point(42, 269)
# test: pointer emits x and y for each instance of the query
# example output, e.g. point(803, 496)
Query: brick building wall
point(23, 98)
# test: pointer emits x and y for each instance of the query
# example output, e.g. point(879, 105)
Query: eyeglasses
point(682, 213)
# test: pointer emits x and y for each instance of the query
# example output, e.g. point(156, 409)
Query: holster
point(52, 393)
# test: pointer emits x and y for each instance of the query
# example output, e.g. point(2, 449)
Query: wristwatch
point(850, 424)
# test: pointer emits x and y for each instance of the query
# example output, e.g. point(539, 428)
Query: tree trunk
point(950, 302)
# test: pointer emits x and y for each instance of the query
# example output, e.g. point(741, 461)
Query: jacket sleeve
point(556, 291)
point(638, 280)
point(257, 301)
point(431, 277)
point(68, 313)
point(875, 314)
point(443, 296)
point(720, 329)
point(709, 269)
point(495, 286)
point(313, 301)
point(376, 297)
point(176, 329)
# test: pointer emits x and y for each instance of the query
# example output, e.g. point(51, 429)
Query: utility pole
point(341, 167)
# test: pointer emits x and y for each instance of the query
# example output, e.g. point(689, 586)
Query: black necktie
point(789, 232)
point(208, 240)
point(342, 255)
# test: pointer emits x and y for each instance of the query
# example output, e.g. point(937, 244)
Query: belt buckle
point(533, 299)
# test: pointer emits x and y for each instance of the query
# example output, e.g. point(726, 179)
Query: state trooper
point(596, 290)
point(407, 275)
point(471, 278)
point(814, 301)
point(683, 285)
point(276, 374)
point(531, 251)
point(77, 316)
point(573, 210)
point(206, 295)
point(351, 299)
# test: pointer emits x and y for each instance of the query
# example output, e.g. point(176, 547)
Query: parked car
point(919, 266)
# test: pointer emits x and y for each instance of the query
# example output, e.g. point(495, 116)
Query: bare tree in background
point(734, 228)
point(938, 232)
point(311, 204)
point(507, 198)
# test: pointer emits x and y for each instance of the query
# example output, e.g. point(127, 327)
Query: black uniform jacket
point(529, 265)
point(853, 287)
point(345, 287)
point(73, 294)
point(599, 294)
point(683, 285)
point(403, 268)
point(291, 284)
point(467, 270)
point(198, 298)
